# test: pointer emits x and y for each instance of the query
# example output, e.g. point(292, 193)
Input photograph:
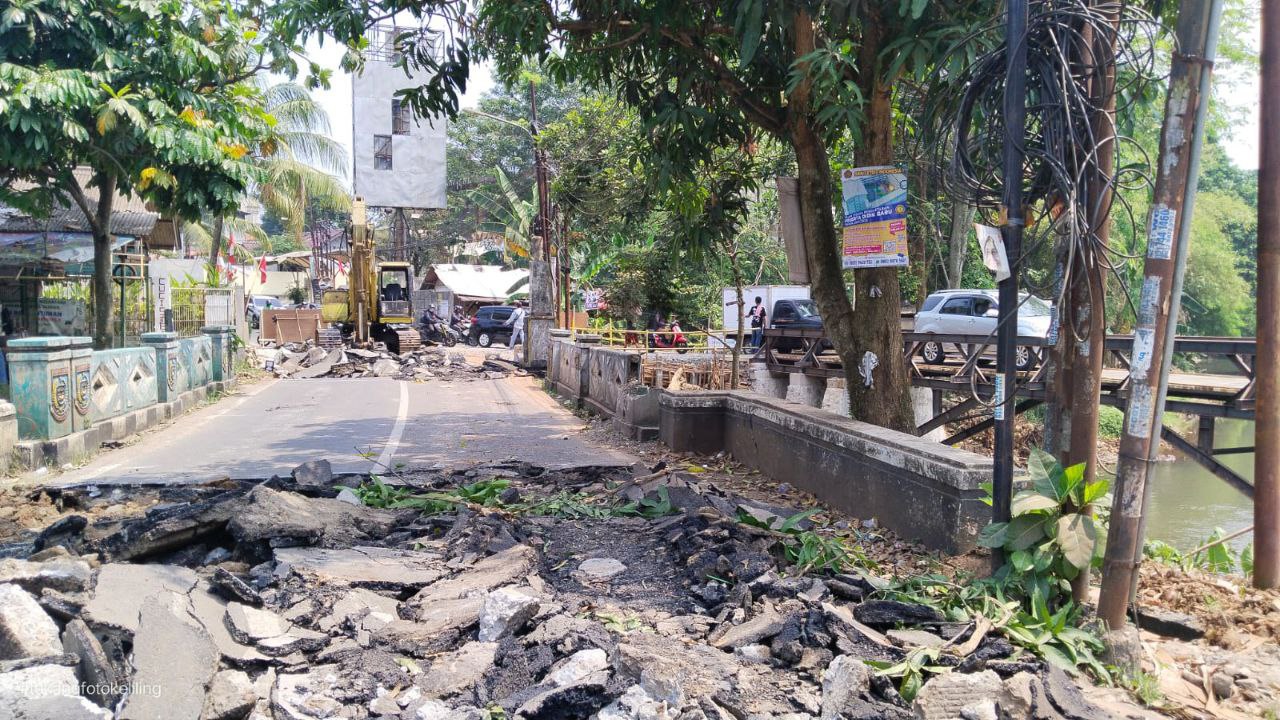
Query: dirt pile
point(427, 363)
point(497, 591)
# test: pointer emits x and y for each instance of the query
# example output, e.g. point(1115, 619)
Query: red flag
point(262, 270)
point(231, 240)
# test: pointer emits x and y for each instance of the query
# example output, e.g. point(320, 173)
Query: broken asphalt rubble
point(307, 361)
point(285, 600)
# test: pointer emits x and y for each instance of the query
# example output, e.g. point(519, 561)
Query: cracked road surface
point(270, 427)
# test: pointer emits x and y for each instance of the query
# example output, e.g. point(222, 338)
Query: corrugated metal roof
point(129, 214)
point(486, 282)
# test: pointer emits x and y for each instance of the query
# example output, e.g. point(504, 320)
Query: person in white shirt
point(516, 322)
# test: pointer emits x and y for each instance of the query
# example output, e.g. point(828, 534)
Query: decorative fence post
point(41, 385)
point(223, 368)
point(171, 378)
point(81, 383)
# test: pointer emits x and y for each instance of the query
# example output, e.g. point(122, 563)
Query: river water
point(1188, 502)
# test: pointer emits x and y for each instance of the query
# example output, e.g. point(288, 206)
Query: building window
point(400, 115)
point(381, 152)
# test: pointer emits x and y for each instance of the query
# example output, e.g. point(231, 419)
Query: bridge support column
point(806, 390)
point(923, 402)
point(1204, 434)
point(766, 383)
point(836, 398)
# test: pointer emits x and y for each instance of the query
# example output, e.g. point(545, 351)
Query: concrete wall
point(609, 372)
point(68, 399)
point(923, 491)
point(606, 381)
point(564, 369)
point(123, 380)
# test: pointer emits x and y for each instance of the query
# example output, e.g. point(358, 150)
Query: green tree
point(152, 96)
point(713, 76)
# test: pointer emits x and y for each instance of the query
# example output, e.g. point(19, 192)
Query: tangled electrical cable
point(1088, 63)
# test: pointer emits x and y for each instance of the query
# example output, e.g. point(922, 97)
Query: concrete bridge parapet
point(925, 492)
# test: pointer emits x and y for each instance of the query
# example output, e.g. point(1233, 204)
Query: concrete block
point(8, 434)
point(836, 398)
point(922, 404)
point(805, 390)
point(637, 415)
point(766, 383)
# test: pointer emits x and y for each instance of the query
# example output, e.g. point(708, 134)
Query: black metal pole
point(1015, 114)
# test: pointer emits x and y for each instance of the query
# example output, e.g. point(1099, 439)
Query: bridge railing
point(1207, 396)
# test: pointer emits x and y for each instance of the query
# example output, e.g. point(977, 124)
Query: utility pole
point(1015, 120)
point(542, 311)
point(1266, 477)
point(1168, 231)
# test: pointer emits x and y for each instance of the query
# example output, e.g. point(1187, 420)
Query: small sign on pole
point(993, 254)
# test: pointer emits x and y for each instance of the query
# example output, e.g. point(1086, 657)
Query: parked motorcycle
point(441, 334)
point(673, 339)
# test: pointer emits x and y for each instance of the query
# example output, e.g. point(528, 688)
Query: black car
point(795, 313)
point(487, 326)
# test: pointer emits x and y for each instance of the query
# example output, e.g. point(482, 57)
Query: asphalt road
point(357, 424)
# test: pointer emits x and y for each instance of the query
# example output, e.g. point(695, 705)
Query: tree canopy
point(152, 95)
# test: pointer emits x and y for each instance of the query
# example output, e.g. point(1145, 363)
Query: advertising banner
point(875, 217)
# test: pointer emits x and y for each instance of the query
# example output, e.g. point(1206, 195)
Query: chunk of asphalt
point(25, 629)
point(165, 683)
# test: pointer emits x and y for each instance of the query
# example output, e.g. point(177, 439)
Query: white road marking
point(393, 442)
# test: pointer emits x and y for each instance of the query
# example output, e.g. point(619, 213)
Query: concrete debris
point(103, 681)
point(313, 474)
point(504, 612)
point(760, 627)
point(166, 683)
point(458, 671)
point(45, 692)
point(269, 632)
point(908, 638)
point(1169, 623)
point(231, 696)
point(944, 697)
point(844, 682)
point(277, 601)
point(427, 363)
point(64, 574)
point(580, 666)
point(25, 630)
point(361, 566)
point(600, 569)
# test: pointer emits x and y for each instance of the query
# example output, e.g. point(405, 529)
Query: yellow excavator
point(377, 305)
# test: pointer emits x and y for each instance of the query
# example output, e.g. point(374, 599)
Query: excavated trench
point(497, 591)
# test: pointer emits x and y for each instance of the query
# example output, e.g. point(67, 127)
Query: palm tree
point(305, 167)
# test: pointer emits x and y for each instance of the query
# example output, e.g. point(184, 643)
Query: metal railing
point(194, 308)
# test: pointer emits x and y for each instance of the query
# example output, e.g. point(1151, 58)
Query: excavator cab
point(394, 284)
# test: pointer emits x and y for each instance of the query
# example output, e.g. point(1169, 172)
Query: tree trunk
point(737, 285)
point(100, 224)
point(958, 244)
point(875, 327)
point(215, 249)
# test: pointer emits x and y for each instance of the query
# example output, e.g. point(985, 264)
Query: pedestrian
point(516, 323)
point(758, 317)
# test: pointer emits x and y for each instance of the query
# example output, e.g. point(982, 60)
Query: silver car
point(976, 312)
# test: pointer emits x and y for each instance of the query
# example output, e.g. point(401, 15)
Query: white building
point(399, 158)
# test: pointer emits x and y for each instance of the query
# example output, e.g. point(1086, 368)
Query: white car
point(976, 312)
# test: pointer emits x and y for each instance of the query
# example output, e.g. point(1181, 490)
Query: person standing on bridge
point(757, 323)
point(516, 322)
